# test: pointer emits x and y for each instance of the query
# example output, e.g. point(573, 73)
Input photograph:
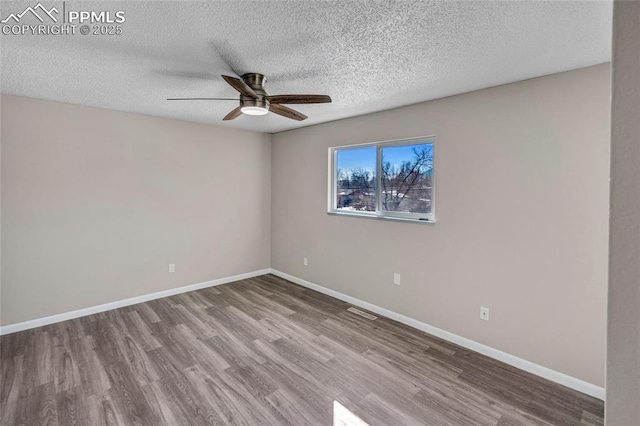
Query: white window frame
point(379, 213)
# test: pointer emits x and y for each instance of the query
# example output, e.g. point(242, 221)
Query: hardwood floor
point(264, 351)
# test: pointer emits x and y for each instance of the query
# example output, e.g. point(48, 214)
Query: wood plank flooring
point(264, 351)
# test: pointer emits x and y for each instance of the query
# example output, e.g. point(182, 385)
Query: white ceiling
point(368, 56)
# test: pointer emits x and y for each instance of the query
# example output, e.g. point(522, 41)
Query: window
point(385, 180)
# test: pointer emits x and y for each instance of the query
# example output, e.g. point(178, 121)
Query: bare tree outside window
point(356, 179)
point(405, 179)
point(407, 185)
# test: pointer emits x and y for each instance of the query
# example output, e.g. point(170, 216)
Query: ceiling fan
point(254, 100)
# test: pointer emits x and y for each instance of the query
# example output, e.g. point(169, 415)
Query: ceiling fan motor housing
point(256, 82)
point(261, 102)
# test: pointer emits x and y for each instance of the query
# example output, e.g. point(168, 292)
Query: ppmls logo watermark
point(34, 12)
point(62, 19)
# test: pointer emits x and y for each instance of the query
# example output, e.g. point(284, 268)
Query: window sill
point(380, 217)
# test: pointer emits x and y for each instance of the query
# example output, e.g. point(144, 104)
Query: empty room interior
point(320, 213)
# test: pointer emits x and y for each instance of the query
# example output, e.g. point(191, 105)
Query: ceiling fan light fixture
point(254, 110)
point(254, 106)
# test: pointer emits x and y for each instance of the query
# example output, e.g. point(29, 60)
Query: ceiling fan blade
point(202, 99)
point(228, 55)
point(233, 114)
point(299, 99)
point(240, 86)
point(287, 112)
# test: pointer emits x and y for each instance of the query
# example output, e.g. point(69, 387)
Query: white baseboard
point(12, 328)
point(522, 364)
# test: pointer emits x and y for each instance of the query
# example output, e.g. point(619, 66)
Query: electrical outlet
point(396, 278)
point(172, 268)
point(484, 313)
point(305, 261)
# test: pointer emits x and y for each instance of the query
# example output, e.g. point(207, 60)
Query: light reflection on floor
point(343, 417)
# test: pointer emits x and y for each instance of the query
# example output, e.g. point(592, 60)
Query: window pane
point(407, 178)
point(356, 179)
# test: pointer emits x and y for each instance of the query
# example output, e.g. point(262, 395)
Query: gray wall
point(623, 360)
point(96, 204)
point(522, 210)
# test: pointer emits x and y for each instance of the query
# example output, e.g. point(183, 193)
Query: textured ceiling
point(368, 56)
